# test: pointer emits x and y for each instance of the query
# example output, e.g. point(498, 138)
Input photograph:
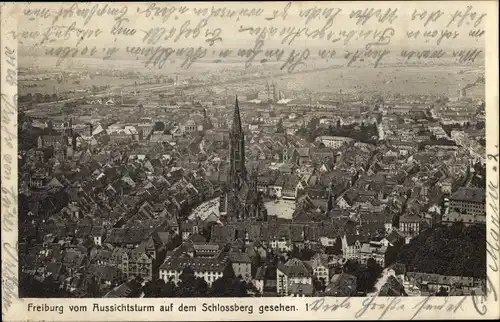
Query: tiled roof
point(295, 267)
point(235, 257)
point(469, 194)
point(196, 263)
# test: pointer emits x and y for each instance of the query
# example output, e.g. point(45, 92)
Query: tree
point(279, 127)
point(38, 97)
point(154, 288)
point(190, 285)
point(30, 287)
point(442, 292)
point(159, 126)
point(313, 124)
point(93, 289)
point(319, 284)
point(457, 250)
point(169, 289)
point(366, 275)
point(229, 286)
point(373, 267)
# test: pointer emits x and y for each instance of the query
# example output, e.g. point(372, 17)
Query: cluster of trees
point(308, 131)
point(479, 176)
point(459, 126)
point(366, 275)
point(37, 98)
point(96, 88)
point(28, 137)
point(319, 284)
point(434, 141)
point(455, 250)
point(31, 287)
point(279, 127)
point(189, 285)
point(159, 126)
point(304, 254)
point(363, 132)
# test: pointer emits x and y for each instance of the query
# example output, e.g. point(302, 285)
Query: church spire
point(237, 150)
point(236, 117)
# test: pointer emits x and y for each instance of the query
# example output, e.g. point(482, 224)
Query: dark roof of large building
point(216, 264)
point(296, 267)
point(129, 289)
point(469, 194)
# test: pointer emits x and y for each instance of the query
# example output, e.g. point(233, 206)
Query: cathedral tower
point(237, 173)
point(241, 199)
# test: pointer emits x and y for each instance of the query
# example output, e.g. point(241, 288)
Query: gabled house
point(319, 265)
point(341, 285)
point(293, 276)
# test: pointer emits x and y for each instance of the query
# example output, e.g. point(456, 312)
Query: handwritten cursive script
point(295, 36)
point(493, 244)
point(9, 175)
point(438, 304)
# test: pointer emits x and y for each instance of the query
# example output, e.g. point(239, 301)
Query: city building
point(241, 199)
point(469, 200)
point(291, 274)
point(333, 141)
point(207, 261)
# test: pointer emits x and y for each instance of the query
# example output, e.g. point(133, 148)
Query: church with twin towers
point(241, 199)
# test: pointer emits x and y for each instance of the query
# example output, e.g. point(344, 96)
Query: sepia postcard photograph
point(249, 160)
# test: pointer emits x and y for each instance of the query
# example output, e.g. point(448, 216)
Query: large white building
point(468, 200)
point(208, 261)
point(333, 141)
